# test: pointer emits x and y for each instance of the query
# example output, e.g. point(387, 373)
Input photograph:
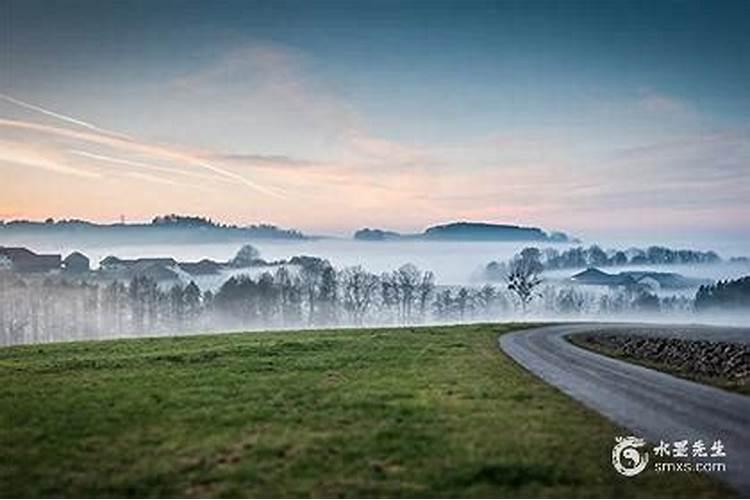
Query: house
point(158, 268)
point(658, 280)
point(24, 260)
point(77, 263)
point(651, 280)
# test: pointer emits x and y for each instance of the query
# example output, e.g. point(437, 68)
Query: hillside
point(412, 412)
point(466, 231)
point(162, 229)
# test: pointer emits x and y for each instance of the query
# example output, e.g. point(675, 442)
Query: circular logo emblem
point(627, 459)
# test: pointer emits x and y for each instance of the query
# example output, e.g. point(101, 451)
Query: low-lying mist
point(38, 308)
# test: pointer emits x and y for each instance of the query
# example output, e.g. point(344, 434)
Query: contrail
point(269, 191)
point(143, 165)
point(59, 116)
point(223, 173)
point(133, 145)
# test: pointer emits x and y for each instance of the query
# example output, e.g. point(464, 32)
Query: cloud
point(259, 160)
point(20, 153)
point(144, 148)
point(149, 178)
point(60, 116)
point(262, 116)
point(656, 103)
point(142, 165)
point(267, 91)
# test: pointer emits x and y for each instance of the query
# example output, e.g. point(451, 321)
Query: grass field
point(391, 412)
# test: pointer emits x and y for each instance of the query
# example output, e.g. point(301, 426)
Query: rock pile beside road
point(702, 358)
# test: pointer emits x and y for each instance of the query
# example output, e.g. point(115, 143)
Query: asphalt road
point(650, 404)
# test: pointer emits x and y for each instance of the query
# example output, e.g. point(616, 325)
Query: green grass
point(729, 384)
point(389, 412)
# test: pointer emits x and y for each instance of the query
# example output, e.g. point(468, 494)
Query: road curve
point(649, 403)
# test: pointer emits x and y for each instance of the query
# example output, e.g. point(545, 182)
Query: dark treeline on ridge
point(466, 231)
point(163, 224)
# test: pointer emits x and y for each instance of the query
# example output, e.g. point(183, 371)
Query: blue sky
point(409, 112)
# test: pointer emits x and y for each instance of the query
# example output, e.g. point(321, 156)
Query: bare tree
point(328, 296)
point(523, 278)
point(463, 302)
point(290, 296)
point(311, 280)
point(407, 281)
point(358, 287)
point(425, 291)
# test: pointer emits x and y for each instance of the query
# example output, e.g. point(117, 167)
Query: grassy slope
point(725, 383)
point(409, 412)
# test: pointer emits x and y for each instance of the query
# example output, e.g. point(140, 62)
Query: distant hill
point(163, 229)
point(466, 231)
point(368, 234)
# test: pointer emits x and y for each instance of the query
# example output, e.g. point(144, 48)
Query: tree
point(290, 297)
point(425, 290)
point(570, 301)
point(597, 257)
point(407, 280)
point(192, 301)
point(463, 302)
point(389, 293)
point(311, 279)
point(726, 294)
point(523, 278)
point(245, 257)
point(358, 288)
point(268, 294)
point(444, 305)
point(328, 296)
point(177, 306)
point(646, 301)
point(237, 300)
point(115, 306)
point(486, 298)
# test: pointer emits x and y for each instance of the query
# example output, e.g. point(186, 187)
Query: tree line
point(724, 294)
point(311, 293)
point(594, 256)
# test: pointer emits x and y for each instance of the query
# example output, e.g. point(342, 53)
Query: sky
point(621, 118)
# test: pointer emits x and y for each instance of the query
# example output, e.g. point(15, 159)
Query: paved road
point(649, 403)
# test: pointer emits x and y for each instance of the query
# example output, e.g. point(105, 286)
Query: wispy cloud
point(128, 144)
point(143, 165)
point(60, 116)
point(20, 153)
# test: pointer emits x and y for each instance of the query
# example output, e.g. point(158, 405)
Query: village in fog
point(59, 297)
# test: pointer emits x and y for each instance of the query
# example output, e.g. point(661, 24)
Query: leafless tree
point(358, 287)
point(425, 291)
point(407, 281)
point(523, 278)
